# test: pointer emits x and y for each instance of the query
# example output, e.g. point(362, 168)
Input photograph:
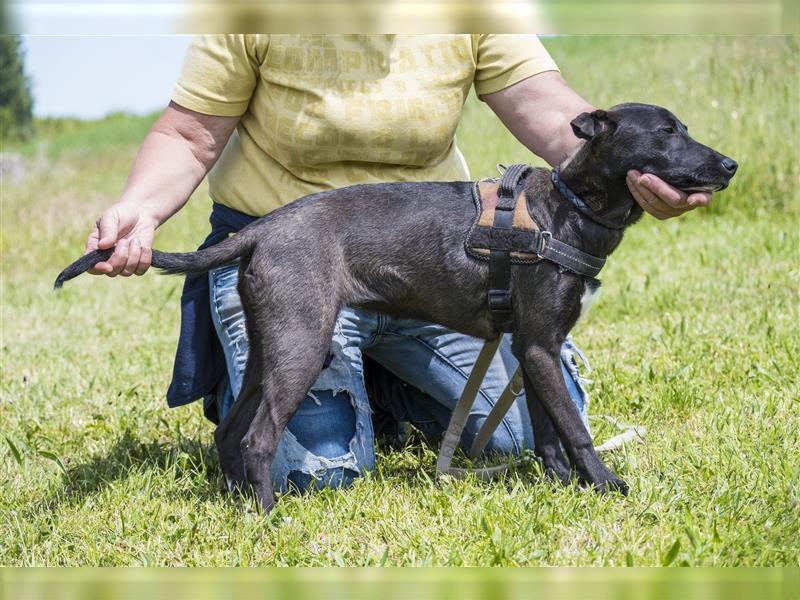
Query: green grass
point(695, 336)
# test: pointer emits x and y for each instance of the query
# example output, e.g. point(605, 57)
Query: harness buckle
point(499, 300)
point(544, 240)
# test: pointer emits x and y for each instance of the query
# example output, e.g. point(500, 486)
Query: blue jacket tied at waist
point(199, 360)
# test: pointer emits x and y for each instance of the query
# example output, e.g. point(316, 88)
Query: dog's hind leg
point(290, 322)
point(233, 428)
point(292, 364)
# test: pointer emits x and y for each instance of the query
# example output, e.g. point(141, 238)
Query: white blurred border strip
point(91, 18)
point(399, 16)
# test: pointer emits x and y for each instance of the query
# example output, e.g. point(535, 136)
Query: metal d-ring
point(544, 240)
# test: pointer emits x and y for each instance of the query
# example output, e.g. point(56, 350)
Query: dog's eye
point(669, 130)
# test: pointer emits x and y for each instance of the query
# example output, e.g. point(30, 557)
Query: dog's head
point(652, 140)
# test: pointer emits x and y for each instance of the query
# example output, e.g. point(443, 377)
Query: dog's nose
point(730, 165)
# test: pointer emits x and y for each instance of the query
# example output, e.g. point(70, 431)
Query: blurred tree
point(16, 104)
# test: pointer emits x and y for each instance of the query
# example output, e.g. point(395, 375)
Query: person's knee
point(325, 423)
point(325, 442)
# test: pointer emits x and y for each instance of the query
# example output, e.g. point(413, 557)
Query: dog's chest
point(591, 288)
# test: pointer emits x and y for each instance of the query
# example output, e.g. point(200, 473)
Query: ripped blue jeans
point(329, 441)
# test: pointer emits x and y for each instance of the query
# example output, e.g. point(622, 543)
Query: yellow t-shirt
point(326, 111)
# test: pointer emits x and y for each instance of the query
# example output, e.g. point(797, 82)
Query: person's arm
point(538, 111)
point(176, 154)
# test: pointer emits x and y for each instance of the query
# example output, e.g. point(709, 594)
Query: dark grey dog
point(398, 248)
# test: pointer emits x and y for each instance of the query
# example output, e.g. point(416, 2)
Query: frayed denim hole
point(316, 431)
point(337, 477)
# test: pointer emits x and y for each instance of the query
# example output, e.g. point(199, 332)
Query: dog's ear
point(587, 125)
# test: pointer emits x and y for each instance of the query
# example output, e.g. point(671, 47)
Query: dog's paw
point(230, 461)
point(261, 489)
point(614, 484)
point(266, 499)
point(556, 466)
point(608, 482)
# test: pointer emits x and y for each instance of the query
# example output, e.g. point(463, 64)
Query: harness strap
point(543, 245)
point(567, 256)
point(499, 294)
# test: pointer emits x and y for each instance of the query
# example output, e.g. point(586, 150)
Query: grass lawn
point(695, 336)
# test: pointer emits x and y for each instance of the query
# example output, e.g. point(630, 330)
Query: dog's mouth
point(708, 187)
point(693, 184)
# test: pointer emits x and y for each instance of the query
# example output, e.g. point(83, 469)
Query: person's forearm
point(163, 176)
point(555, 141)
point(547, 132)
point(175, 156)
point(538, 111)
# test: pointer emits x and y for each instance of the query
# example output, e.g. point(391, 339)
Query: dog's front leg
point(543, 370)
point(546, 444)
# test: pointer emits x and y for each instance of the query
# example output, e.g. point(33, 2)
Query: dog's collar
point(580, 205)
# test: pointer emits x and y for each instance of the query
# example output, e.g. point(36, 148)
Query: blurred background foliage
point(16, 102)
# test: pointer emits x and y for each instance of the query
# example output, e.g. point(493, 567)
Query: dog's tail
point(172, 263)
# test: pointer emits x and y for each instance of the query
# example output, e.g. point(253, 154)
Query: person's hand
point(131, 228)
point(660, 199)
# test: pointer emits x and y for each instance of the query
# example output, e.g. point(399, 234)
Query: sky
point(91, 76)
